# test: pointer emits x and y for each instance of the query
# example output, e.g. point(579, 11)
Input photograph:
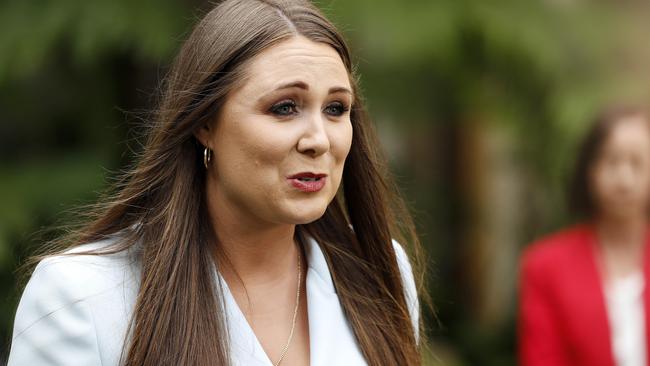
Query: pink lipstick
point(308, 181)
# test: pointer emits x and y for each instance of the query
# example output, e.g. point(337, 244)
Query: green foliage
point(89, 30)
point(537, 69)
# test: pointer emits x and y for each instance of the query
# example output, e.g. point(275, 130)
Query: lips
point(308, 181)
point(307, 175)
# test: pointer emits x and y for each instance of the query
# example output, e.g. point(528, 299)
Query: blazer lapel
point(331, 339)
point(594, 315)
point(245, 348)
point(646, 292)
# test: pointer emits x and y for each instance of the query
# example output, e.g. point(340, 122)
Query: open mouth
point(308, 182)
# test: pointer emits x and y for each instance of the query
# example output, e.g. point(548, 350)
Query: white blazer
point(75, 309)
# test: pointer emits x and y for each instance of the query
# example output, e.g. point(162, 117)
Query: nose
point(314, 140)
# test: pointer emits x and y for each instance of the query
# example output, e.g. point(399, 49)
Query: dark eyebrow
point(302, 85)
point(293, 84)
point(339, 89)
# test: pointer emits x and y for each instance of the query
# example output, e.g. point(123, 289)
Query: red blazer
point(562, 318)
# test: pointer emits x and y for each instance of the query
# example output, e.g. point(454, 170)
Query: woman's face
point(621, 174)
point(290, 116)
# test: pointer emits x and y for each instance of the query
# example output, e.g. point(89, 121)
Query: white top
point(624, 297)
point(74, 311)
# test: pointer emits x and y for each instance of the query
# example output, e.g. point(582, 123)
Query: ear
point(203, 133)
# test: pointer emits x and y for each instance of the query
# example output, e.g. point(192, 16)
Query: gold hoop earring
point(207, 155)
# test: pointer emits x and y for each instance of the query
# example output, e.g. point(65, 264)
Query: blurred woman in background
point(583, 298)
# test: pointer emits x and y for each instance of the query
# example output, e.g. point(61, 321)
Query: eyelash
point(275, 109)
point(342, 108)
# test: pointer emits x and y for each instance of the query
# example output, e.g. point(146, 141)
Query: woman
point(583, 298)
point(230, 242)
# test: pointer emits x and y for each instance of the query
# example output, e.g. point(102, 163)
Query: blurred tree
point(68, 70)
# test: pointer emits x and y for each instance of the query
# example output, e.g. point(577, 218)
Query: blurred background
point(479, 105)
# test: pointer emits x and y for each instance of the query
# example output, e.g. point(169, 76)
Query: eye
point(336, 109)
point(284, 108)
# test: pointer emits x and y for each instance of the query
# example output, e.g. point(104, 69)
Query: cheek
point(248, 158)
point(601, 181)
point(644, 181)
point(342, 141)
point(340, 148)
point(264, 147)
point(256, 143)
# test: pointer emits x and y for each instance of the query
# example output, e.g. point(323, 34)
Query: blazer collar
point(332, 341)
point(317, 262)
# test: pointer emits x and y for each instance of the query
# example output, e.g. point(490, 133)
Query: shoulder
point(61, 282)
point(69, 302)
point(554, 247)
point(553, 250)
point(408, 281)
point(84, 269)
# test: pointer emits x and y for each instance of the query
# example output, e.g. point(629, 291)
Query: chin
point(625, 213)
point(305, 214)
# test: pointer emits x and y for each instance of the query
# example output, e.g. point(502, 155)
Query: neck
point(628, 233)
point(250, 250)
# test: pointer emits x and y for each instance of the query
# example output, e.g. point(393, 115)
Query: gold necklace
point(295, 313)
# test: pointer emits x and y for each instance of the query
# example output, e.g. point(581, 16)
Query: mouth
point(308, 176)
point(308, 181)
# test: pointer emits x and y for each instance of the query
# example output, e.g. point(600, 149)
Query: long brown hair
point(159, 204)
